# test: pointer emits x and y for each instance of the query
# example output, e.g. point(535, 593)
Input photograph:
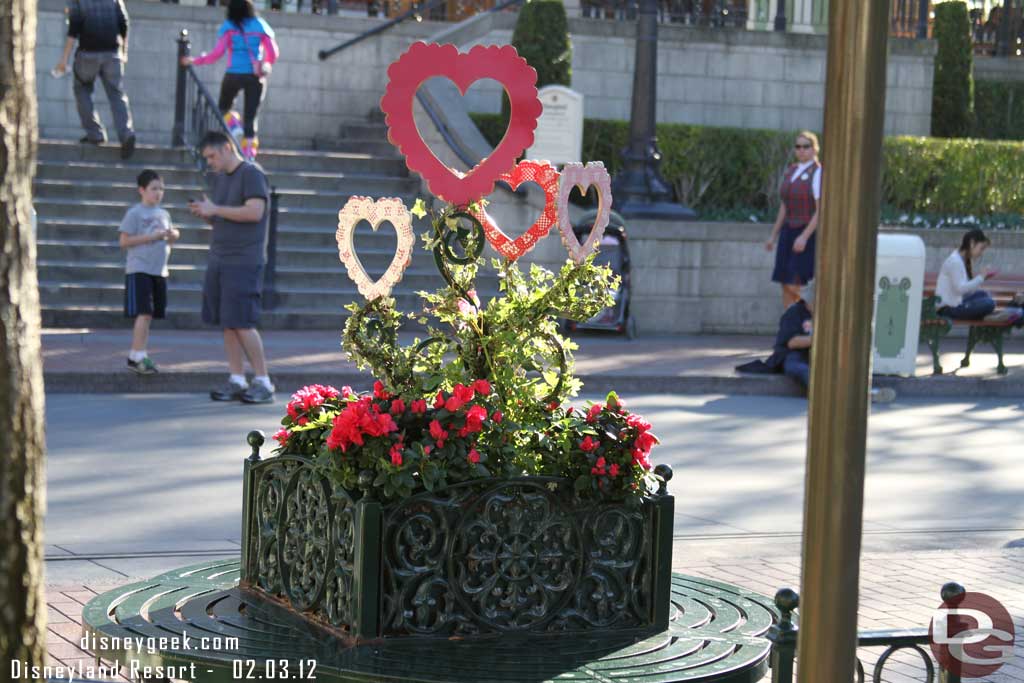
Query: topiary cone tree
point(541, 37)
point(953, 89)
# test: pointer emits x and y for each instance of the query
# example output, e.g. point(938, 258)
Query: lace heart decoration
point(391, 210)
point(584, 177)
point(545, 175)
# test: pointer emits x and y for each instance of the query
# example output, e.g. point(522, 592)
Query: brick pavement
point(898, 590)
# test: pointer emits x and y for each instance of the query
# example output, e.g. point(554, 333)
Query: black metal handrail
point(417, 10)
point(195, 110)
point(784, 636)
point(195, 114)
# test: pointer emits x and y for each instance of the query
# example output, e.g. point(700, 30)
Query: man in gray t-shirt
point(232, 289)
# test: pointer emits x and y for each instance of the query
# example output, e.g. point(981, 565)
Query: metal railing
point(195, 114)
point(710, 13)
point(784, 636)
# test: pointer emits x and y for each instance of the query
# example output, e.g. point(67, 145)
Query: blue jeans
point(974, 306)
point(796, 367)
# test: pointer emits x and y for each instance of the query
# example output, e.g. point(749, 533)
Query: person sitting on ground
point(958, 289)
point(791, 354)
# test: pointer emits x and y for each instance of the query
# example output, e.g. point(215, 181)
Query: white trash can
point(899, 286)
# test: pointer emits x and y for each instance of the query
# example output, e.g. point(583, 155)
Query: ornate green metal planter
point(484, 557)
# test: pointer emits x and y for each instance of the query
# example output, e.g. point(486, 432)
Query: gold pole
point(840, 380)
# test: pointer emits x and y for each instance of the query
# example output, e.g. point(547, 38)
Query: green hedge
point(729, 171)
point(998, 110)
point(953, 89)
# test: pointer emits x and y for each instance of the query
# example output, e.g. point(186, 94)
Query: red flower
point(614, 469)
point(439, 400)
point(482, 387)
point(497, 417)
point(303, 420)
point(640, 458)
point(438, 433)
point(418, 407)
point(588, 445)
point(346, 391)
point(334, 440)
point(570, 410)
point(645, 440)
point(594, 411)
point(638, 423)
point(397, 406)
point(598, 467)
point(427, 449)
point(463, 393)
point(453, 404)
point(475, 417)
point(396, 455)
point(282, 436)
point(553, 406)
point(614, 403)
point(474, 456)
point(379, 392)
point(327, 391)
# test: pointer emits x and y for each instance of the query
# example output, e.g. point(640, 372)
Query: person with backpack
point(251, 51)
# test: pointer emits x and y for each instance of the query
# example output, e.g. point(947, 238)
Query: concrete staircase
point(82, 192)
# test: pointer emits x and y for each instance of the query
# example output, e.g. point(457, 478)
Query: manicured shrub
point(541, 37)
point(732, 172)
point(953, 88)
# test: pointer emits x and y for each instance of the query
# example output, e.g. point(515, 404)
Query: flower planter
point(483, 557)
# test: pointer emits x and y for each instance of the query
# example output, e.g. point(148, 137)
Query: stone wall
point(725, 77)
point(306, 98)
point(750, 79)
point(998, 69)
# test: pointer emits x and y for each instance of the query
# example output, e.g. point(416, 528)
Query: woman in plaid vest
point(793, 233)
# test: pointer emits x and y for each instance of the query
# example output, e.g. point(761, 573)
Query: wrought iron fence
point(784, 636)
point(714, 13)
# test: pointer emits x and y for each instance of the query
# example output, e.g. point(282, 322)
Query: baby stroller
point(614, 253)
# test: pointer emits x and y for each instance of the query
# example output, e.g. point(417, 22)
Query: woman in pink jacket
point(249, 43)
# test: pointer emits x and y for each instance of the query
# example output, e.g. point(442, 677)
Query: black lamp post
point(1004, 40)
point(780, 15)
point(639, 189)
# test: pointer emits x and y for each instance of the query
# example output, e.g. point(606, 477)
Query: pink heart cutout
point(422, 61)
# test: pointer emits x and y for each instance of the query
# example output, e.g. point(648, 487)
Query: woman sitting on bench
point(958, 289)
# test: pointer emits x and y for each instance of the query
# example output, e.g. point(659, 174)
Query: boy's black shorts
point(145, 294)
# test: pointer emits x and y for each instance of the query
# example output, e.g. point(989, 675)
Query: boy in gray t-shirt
point(146, 237)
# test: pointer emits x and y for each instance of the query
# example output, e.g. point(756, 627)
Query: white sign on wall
point(559, 134)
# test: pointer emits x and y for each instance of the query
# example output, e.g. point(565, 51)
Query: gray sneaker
point(883, 394)
point(229, 392)
point(258, 393)
point(142, 367)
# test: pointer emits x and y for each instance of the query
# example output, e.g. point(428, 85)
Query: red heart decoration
point(422, 61)
point(545, 175)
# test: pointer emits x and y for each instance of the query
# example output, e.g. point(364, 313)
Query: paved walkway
point(897, 591)
point(89, 361)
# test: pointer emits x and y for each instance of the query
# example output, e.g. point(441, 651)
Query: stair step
point(182, 174)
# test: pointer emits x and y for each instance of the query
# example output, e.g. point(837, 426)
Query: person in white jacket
point(958, 289)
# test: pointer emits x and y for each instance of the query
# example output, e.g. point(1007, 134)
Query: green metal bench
point(717, 633)
point(935, 327)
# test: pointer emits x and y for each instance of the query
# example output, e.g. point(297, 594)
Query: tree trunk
point(22, 485)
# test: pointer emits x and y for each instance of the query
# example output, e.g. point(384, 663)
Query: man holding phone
point(238, 210)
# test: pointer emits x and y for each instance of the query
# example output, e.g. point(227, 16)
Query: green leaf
point(419, 208)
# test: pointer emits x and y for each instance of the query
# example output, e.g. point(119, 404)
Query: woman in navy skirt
point(793, 236)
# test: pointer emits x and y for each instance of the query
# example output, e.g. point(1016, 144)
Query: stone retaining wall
point(723, 77)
